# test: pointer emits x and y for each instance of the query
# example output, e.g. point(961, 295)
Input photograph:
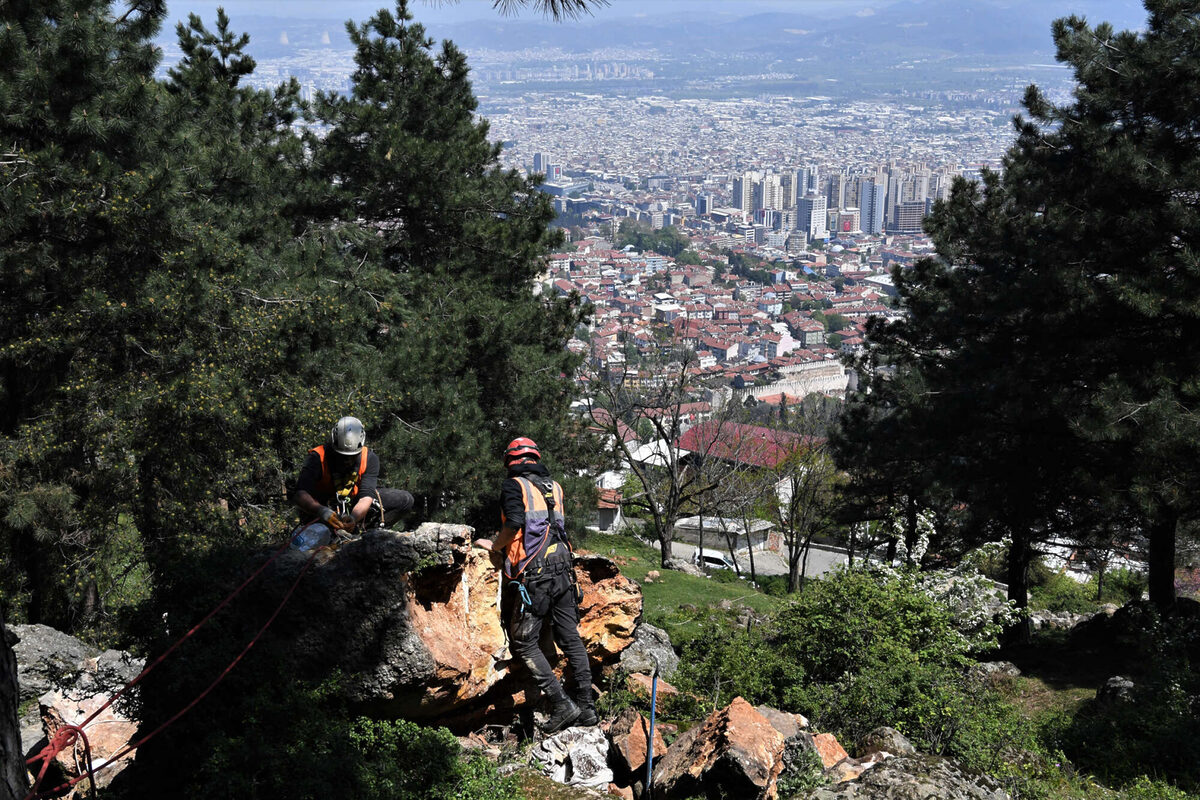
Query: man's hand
point(330, 518)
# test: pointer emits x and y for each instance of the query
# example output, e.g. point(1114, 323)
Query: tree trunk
point(1162, 559)
point(893, 543)
point(12, 763)
point(1020, 555)
point(910, 529)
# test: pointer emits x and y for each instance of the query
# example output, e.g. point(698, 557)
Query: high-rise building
point(743, 191)
point(767, 193)
point(787, 189)
point(810, 216)
point(910, 214)
point(541, 161)
point(809, 180)
point(872, 198)
point(704, 203)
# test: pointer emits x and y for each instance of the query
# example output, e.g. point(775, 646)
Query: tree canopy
point(1046, 369)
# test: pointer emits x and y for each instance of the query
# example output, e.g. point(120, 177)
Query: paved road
point(820, 559)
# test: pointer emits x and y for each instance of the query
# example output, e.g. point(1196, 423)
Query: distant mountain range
point(982, 33)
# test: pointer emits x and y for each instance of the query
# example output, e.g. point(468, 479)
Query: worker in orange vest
point(343, 472)
point(539, 583)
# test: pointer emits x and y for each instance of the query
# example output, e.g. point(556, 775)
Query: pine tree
point(1054, 341)
point(82, 223)
point(469, 356)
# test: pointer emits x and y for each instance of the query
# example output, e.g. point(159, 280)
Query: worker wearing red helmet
point(539, 578)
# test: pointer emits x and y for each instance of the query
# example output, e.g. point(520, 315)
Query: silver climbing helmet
point(348, 436)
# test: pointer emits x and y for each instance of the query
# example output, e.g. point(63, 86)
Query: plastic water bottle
point(311, 536)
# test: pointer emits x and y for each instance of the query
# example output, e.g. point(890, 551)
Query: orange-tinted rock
point(611, 608)
point(627, 735)
point(848, 769)
point(620, 791)
point(641, 684)
point(735, 751)
point(829, 749)
point(457, 618)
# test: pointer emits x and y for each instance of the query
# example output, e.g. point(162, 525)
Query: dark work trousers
point(526, 630)
point(388, 506)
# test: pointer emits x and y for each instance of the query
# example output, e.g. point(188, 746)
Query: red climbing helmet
point(521, 448)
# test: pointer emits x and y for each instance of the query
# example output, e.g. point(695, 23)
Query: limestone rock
point(885, 740)
point(411, 619)
point(988, 670)
point(848, 769)
point(628, 737)
point(47, 659)
point(735, 751)
point(789, 725)
point(575, 757)
point(914, 777)
point(686, 567)
point(1117, 689)
point(51, 661)
point(644, 684)
point(611, 608)
point(650, 646)
point(108, 734)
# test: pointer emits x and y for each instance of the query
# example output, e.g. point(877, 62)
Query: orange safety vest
point(326, 488)
point(543, 534)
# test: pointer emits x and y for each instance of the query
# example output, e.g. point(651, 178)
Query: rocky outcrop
point(651, 647)
point(70, 680)
point(108, 734)
point(885, 740)
point(914, 777)
point(735, 752)
point(12, 761)
point(1116, 690)
point(412, 620)
point(610, 610)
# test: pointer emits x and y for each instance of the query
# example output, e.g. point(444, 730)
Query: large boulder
point(735, 752)
point(70, 680)
point(412, 621)
point(651, 647)
point(914, 777)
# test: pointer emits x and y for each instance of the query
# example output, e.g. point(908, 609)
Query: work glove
point(330, 518)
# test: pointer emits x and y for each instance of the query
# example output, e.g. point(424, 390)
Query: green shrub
point(298, 741)
point(1121, 586)
point(1057, 592)
point(860, 649)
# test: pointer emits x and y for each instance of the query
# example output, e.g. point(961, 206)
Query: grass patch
point(677, 602)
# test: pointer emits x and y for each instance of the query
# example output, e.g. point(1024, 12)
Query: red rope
point(65, 736)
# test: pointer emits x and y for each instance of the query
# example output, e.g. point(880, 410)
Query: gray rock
point(686, 567)
point(915, 777)
point(1117, 689)
point(885, 740)
point(47, 659)
point(574, 757)
point(650, 645)
point(988, 669)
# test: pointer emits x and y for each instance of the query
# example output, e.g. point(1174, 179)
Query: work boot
point(563, 714)
point(587, 708)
